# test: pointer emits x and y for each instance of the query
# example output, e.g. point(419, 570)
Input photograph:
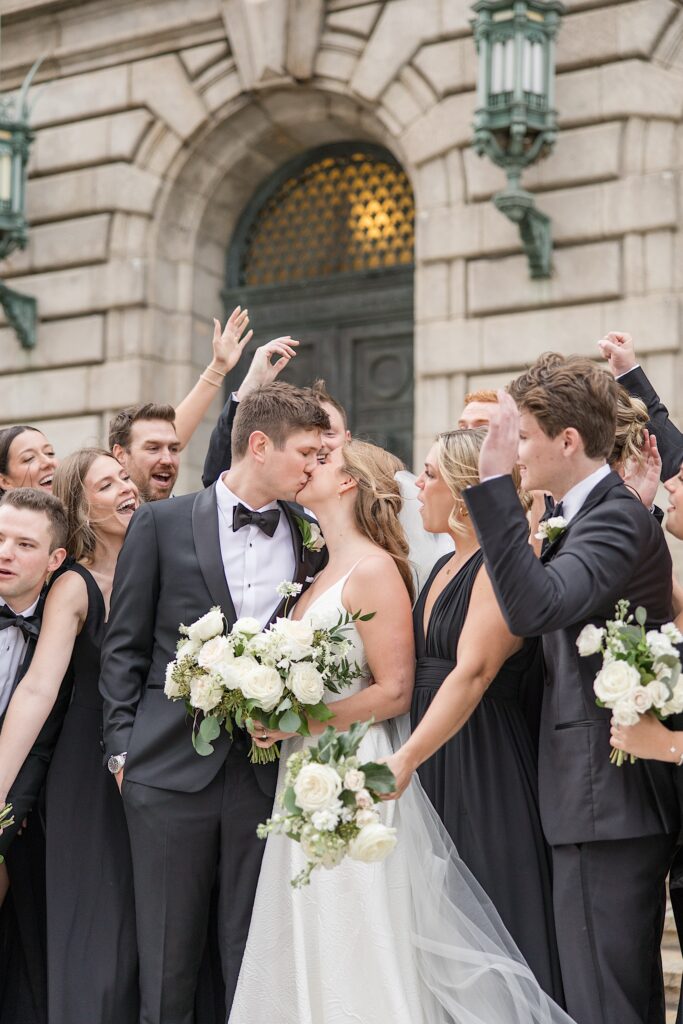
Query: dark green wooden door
point(324, 253)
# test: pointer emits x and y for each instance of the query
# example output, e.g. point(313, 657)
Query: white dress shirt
point(254, 563)
point(12, 650)
point(576, 496)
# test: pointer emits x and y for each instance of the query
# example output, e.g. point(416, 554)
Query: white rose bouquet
point(6, 821)
point(277, 676)
point(329, 801)
point(641, 670)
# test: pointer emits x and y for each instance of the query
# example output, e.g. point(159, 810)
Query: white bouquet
point(276, 676)
point(641, 670)
point(329, 801)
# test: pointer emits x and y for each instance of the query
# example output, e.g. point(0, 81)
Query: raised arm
point(228, 346)
point(618, 348)
point(261, 372)
point(129, 639)
point(484, 645)
point(65, 610)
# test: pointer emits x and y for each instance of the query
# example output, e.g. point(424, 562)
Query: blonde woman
point(470, 741)
point(413, 939)
point(91, 948)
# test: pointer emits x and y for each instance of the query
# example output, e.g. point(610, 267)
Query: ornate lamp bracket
point(534, 227)
point(22, 314)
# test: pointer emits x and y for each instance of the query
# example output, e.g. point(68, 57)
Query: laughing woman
point(27, 459)
point(91, 948)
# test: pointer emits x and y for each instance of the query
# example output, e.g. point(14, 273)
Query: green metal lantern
point(15, 143)
point(515, 121)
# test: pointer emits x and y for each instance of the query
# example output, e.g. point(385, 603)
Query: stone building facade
point(158, 120)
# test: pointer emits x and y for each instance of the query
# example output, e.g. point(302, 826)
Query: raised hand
point(262, 370)
point(228, 344)
point(498, 453)
point(618, 349)
point(644, 477)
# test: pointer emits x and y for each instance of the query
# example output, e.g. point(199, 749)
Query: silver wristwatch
point(116, 762)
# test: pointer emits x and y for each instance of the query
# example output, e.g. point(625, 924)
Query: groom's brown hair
point(570, 391)
point(278, 410)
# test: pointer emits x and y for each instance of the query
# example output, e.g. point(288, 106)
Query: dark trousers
point(609, 900)
point(181, 844)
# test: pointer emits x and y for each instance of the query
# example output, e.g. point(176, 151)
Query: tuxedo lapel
point(597, 495)
point(208, 547)
point(303, 568)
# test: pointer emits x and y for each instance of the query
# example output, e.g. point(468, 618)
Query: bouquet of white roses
point(6, 821)
point(277, 676)
point(329, 801)
point(641, 670)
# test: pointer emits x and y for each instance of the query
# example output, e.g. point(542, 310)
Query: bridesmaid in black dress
point(91, 944)
point(470, 743)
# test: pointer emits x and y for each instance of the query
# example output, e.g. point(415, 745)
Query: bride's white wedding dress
point(412, 940)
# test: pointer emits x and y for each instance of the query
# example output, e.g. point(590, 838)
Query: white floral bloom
point(214, 652)
point(354, 780)
point(235, 671)
point(332, 856)
point(373, 843)
point(208, 626)
point(306, 683)
point(624, 712)
point(642, 700)
point(366, 817)
point(589, 640)
point(188, 649)
point(325, 820)
point(615, 681)
point(263, 684)
point(327, 618)
point(659, 693)
point(551, 528)
point(316, 786)
point(287, 589)
point(246, 626)
point(317, 542)
point(265, 647)
point(296, 637)
point(659, 644)
point(205, 692)
point(171, 688)
point(363, 798)
point(671, 630)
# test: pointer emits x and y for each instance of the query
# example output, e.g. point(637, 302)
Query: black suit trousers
point(181, 844)
point(609, 902)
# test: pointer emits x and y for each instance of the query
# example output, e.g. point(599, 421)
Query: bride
point(414, 939)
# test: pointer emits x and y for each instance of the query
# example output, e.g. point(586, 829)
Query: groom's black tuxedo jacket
point(170, 571)
point(613, 548)
point(669, 437)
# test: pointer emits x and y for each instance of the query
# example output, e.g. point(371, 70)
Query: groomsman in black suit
point(192, 820)
point(32, 546)
point(612, 830)
point(617, 347)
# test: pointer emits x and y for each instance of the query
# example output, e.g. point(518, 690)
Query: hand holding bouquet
point(277, 676)
point(329, 798)
point(641, 670)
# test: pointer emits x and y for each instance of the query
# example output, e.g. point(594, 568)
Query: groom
point(612, 830)
point(192, 820)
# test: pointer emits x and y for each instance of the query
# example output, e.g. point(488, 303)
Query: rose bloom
point(365, 817)
point(187, 649)
point(660, 644)
point(642, 700)
point(589, 640)
point(208, 626)
point(363, 798)
point(373, 843)
point(205, 693)
point(624, 713)
point(354, 780)
point(615, 681)
point(316, 786)
point(214, 652)
point(306, 683)
point(263, 684)
point(297, 636)
point(246, 626)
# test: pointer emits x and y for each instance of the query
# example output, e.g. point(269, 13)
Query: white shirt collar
point(226, 499)
point(576, 496)
point(27, 611)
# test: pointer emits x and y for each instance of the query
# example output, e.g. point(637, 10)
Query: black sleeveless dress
point(483, 782)
point(91, 944)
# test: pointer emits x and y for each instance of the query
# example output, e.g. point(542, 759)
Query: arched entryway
point(324, 251)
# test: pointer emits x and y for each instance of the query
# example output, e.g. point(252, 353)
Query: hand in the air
point(617, 348)
point(644, 477)
point(262, 370)
point(228, 344)
point(498, 454)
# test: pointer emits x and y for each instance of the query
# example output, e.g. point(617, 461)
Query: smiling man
point(143, 439)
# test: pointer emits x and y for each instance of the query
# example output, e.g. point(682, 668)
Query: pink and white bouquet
point(641, 670)
point(277, 676)
point(329, 800)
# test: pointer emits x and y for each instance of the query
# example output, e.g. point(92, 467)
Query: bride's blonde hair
point(378, 501)
point(458, 461)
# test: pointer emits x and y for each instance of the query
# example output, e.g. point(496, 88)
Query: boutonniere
point(311, 534)
point(552, 528)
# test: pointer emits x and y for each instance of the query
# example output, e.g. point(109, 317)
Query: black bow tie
point(29, 626)
point(551, 512)
point(266, 521)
